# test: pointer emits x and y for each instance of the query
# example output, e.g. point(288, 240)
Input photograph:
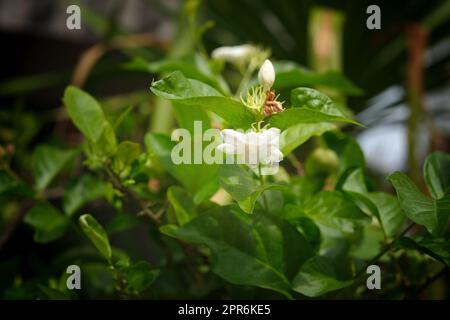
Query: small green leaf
point(241, 185)
point(121, 222)
point(127, 152)
point(197, 94)
point(182, 204)
point(391, 214)
point(86, 189)
point(47, 162)
point(437, 174)
point(95, 232)
point(140, 276)
point(85, 112)
point(336, 210)
point(433, 214)
point(49, 224)
point(317, 277)
point(298, 134)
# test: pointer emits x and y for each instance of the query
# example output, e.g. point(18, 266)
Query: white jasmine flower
point(255, 149)
point(266, 74)
point(234, 54)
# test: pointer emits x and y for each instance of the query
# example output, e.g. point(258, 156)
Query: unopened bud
point(266, 75)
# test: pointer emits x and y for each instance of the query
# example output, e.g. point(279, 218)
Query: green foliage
point(431, 213)
point(49, 224)
point(47, 162)
point(199, 95)
point(95, 232)
point(309, 106)
point(221, 230)
point(269, 252)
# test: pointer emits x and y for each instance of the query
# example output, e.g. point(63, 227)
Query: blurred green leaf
point(95, 232)
point(433, 214)
point(140, 276)
point(182, 204)
point(49, 224)
point(47, 162)
point(85, 112)
point(290, 75)
point(391, 214)
point(86, 189)
point(438, 248)
point(317, 277)
point(193, 66)
point(195, 177)
point(437, 174)
point(336, 210)
point(11, 186)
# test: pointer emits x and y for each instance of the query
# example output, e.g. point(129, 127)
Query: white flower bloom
point(233, 54)
point(266, 74)
point(254, 149)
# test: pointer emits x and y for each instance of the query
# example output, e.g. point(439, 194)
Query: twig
point(155, 217)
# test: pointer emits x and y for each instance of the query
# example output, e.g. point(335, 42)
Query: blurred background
point(402, 69)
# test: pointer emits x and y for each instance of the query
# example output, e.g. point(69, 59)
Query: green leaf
point(95, 232)
point(254, 250)
point(197, 94)
point(290, 75)
point(336, 210)
point(11, 186)
point(306, 226)
point(309, 106)
point(195, 177)
point(348, 150)
point(47, 161)
point(85, 112)
point(438, 248)
point(317, 277)
point(121, 222)
point(355, 182)
point(298, 134)
point(437, 174)
point(241, 185)
point(127, 152)
point(49, 224)
point(86, 189)
point(391, 214)
point(140, 276)
point(433, 214)
point(182, 204)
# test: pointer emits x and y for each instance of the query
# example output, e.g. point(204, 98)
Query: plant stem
point(416, 48)
point(261, 180)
